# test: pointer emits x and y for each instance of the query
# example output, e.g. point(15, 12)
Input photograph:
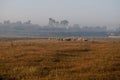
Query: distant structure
point(28, 22)
point(54, 23)
point(64, 23)
point(55, 29)
point(51, 22)
point(76, 26)
point(7, 22)
point(18, 23)
point(94, 29)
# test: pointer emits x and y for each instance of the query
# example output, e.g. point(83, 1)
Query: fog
point(48, 18)
point(54, 28)
point(82, 12)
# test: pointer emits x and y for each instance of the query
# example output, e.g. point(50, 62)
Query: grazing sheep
point(68, 39)
point(85, 40)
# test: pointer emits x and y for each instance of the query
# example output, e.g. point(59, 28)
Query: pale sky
point(83, 12)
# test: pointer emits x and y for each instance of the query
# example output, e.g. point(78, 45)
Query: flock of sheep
point(69, 39)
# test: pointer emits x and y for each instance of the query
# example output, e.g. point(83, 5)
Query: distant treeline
point(33, 30)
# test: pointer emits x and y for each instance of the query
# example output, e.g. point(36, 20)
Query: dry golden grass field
point(60, 60)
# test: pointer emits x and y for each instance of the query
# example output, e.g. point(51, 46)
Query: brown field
point(59, 60)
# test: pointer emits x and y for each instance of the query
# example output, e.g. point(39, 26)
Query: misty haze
point(59, 39)
point(53, 29)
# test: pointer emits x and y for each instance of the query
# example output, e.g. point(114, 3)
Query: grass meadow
point(59, 60)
